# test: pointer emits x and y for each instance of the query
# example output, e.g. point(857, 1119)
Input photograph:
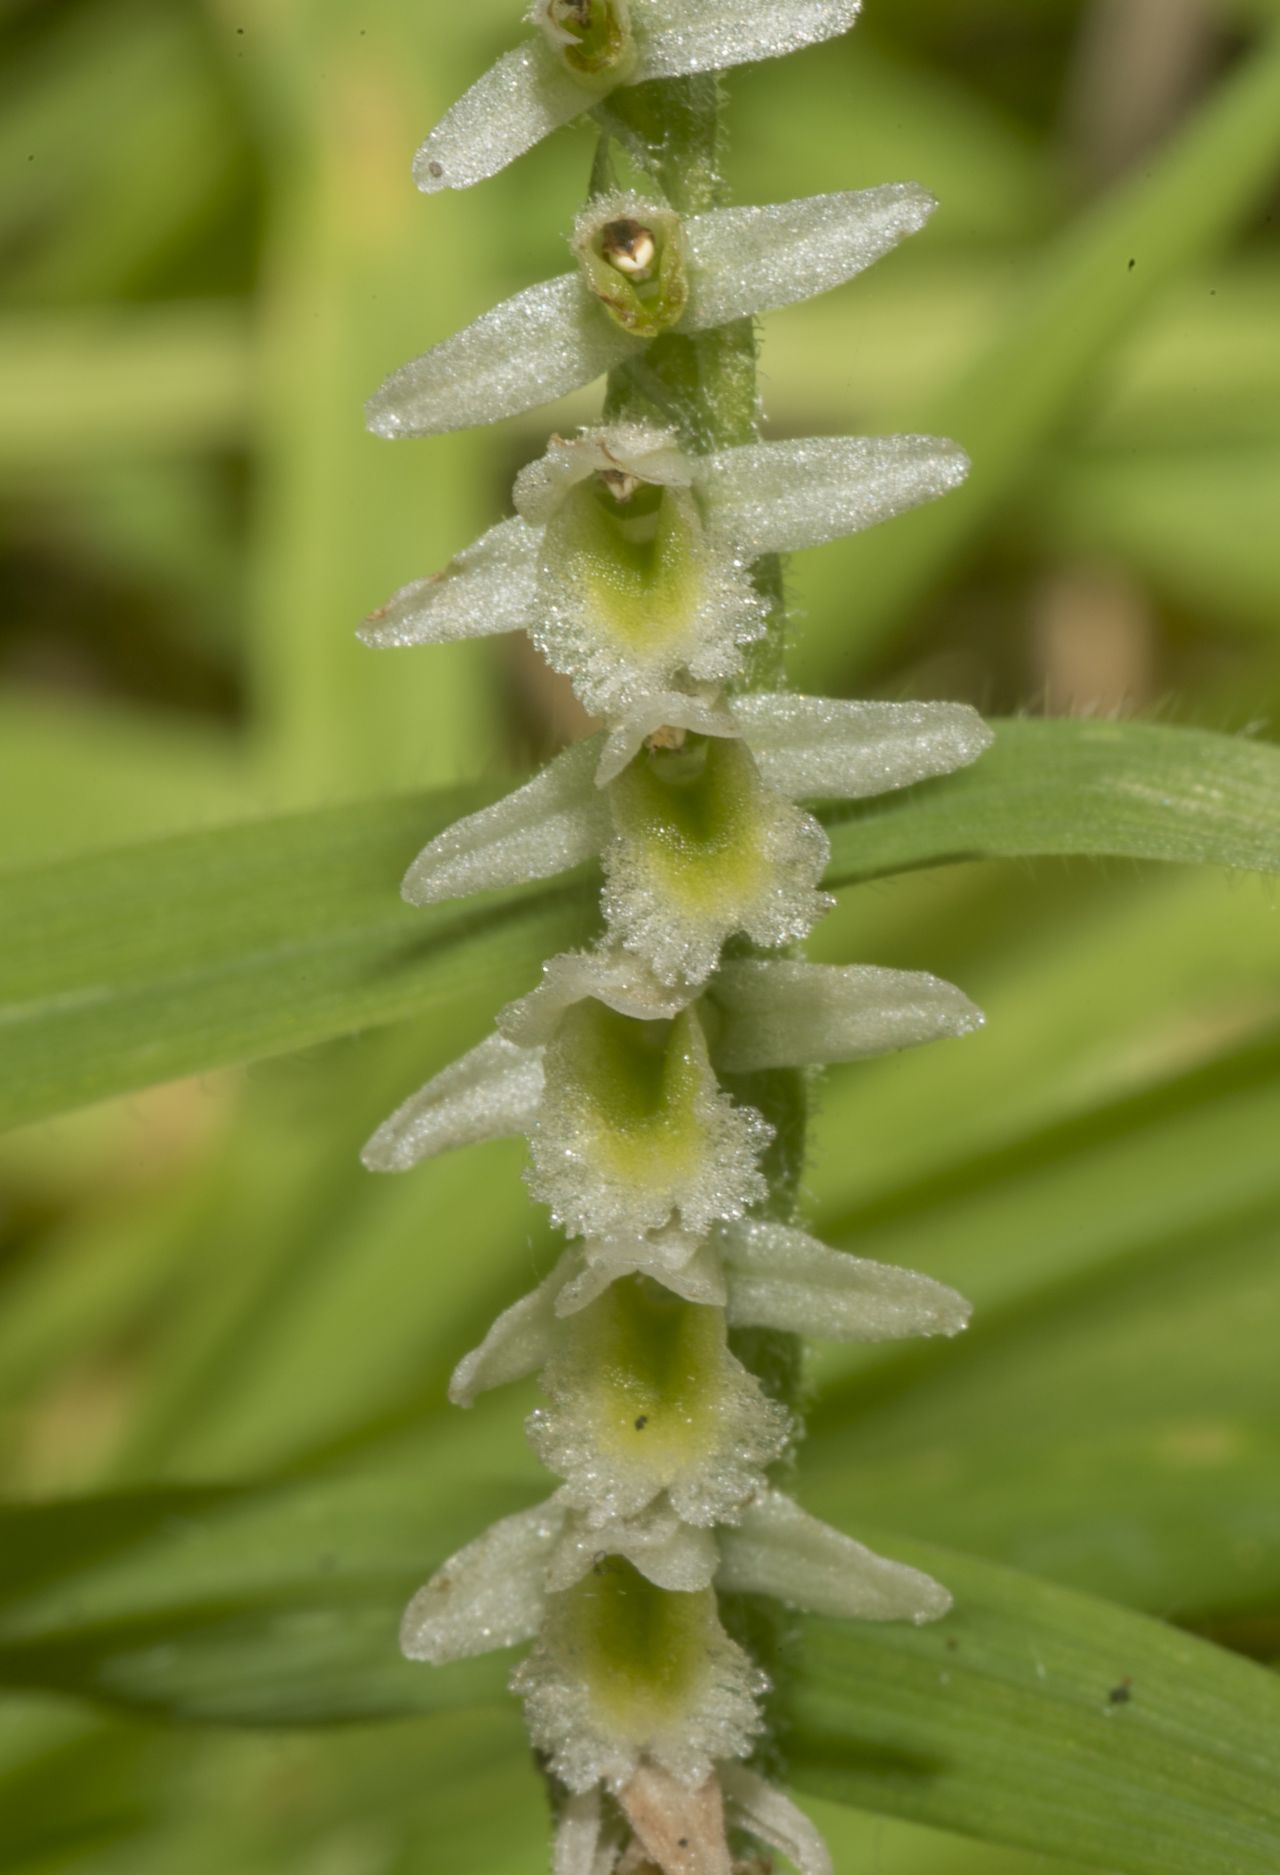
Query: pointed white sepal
point(486, 589)
point(547, 340)
point(823, 748)
point(788, 1014)
point(489, 1595)
point(548, 826)
point(678, 37)
point(773, 1819)
point(782, 1278)
point(780, 1550)
point(521, 99)
point(781, 497)
point(520, 1342)
point(491, 1093)
point(744, 261)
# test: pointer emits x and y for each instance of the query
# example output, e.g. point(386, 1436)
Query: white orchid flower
point(729, 263)
point(702, 843)
point(628, 561)
point(585, 48)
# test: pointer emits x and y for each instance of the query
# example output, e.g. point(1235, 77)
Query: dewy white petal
point(751, 260)
point(771, 1817)
point(528, 350)
point(613, 977)
point(640, 449)
point(813, 748)
point(489, 1595)
point(583, 1845)
point(591, 1738)
point(709, 1172)
point(779, 1550)
point(683, 36)
point(783, 1278)
point(705, 715)
point(688, 1266)
point(700, 1438)
point(520, 1342)
point(491, 1093)
point(521, 99)
point(779, 497)
point(548, 826)
point(672, 1554)
point(788, 1014)
point(486, 589)
point(681, 939)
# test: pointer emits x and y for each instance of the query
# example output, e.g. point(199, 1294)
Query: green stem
point(670, 135)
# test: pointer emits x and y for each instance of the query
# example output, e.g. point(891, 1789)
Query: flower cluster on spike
point(634, 562)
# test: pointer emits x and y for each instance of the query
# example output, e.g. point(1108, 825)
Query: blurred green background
point(211, 253)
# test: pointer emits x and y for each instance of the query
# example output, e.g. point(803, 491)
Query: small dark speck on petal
point(1132, 265)
point(1122, 1694)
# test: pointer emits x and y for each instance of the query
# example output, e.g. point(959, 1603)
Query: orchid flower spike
point(658, 1076)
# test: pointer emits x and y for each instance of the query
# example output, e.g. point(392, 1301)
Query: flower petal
point(812, 748)
point(658, 710)
point(526, 351)
point(521, 99)
point(682, 36)
point(641, 450)
point(780, 497)
point(624, 1672)
point(779, 1550)
point(752, 260)
point(788, 1014)
point(521, 1341)
point(489, 1595)
point(634, 1128)
point(490, 1093)
point(782, 1278)
point(667, 1552)
point(486, 589)
point(767, 1814)
point(688, 1266)
point(583, 1845)
point(612, 977)
point(646, 1400)
point(548, 826)
point(703, 850)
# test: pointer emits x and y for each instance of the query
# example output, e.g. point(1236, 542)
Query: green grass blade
point(1061, 787)
point(120, 970)
point(1044, 1719)
point(279, 1605)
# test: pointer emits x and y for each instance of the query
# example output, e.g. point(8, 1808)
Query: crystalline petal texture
point(633, 1130)
point(647, 1400)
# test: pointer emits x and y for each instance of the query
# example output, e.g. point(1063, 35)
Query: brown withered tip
point(629, 246)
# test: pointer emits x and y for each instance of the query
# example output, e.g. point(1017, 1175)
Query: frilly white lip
point(529, 92)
